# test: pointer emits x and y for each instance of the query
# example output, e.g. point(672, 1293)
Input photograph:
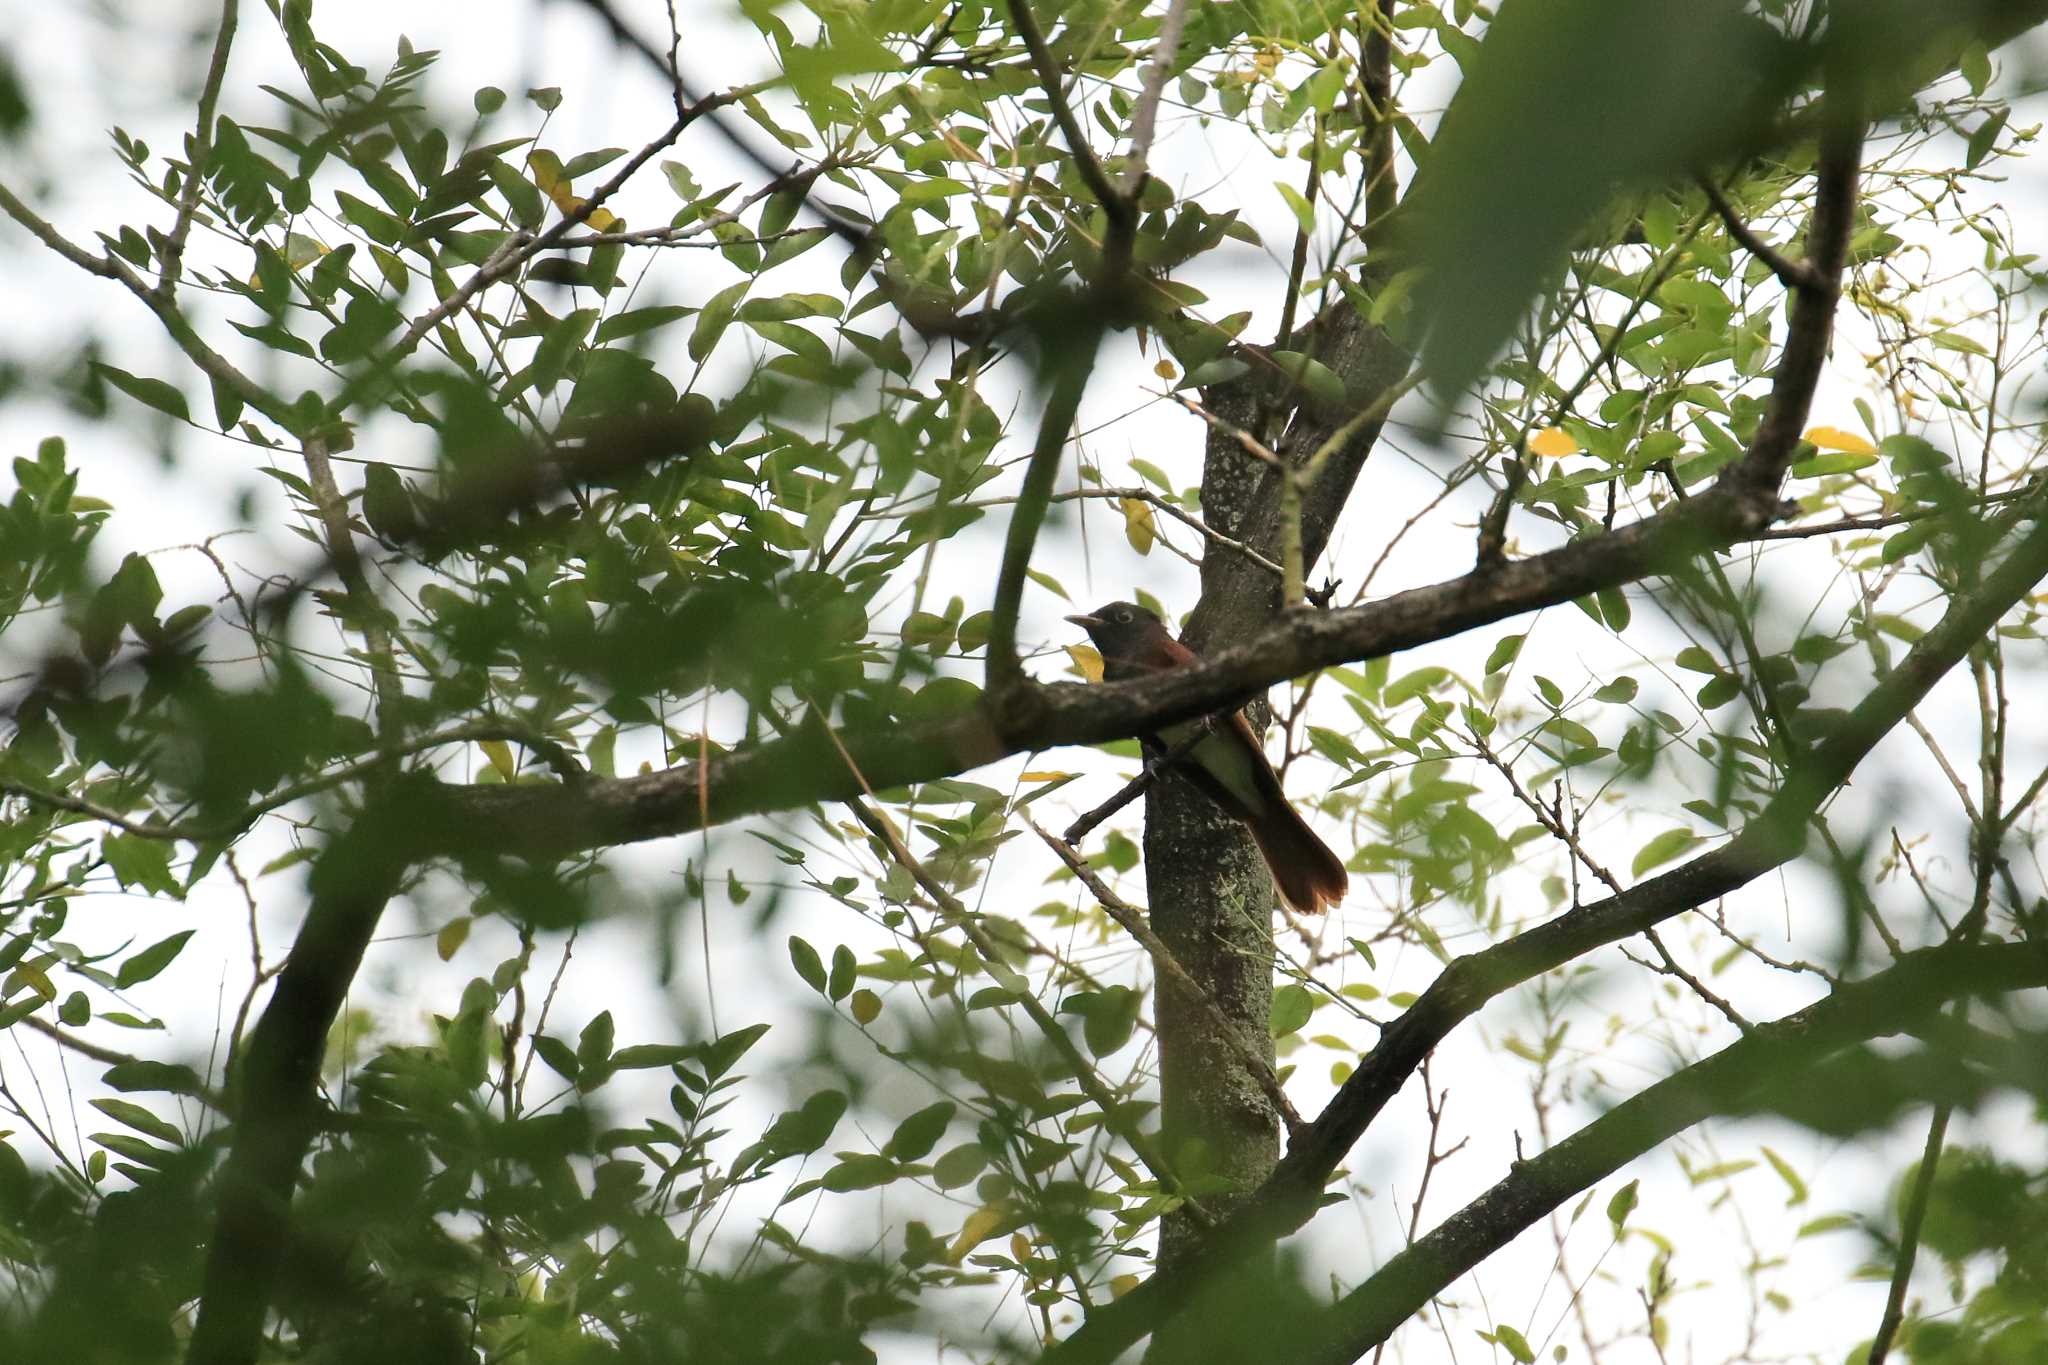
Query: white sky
point(87, 74)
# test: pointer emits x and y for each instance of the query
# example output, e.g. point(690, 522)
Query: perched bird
point(1227, 764)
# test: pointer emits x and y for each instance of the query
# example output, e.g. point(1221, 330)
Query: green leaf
point(1318, 380)
point(1656, 89)
point(857, 1171)
point(808, 964)
point(140, 1119)
point(1292, 1006)
point(841, 980)
point(140, 863)
point(585, 162)
point(151, 960)
point(594, 1044)
point(715, 318)
point(1984, 139)
point(1832, 462)
point(1975, 67)
point(1109, 1024)
point(227, 403)
point(1662, 849)
point(1048, 582)
point(722, 1054)
point(640, 1056)
point(959, 1166)
point(559, 1056)
point(1504, 652)
point(1304, 212)
point(144, 1075)
point(920, 1132)
point(154, 393)
point(1614, 607)
point(380, 227)
point(1718, 692)
point(1793, 1183)
point(1512, 1342)
point(135, 1149)
point(1621, 1206)
point(387, 504)
point(805, 1129)
point(635, 321)
point(1956, 341)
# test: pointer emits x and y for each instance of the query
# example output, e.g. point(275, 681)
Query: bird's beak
point(1085, 622)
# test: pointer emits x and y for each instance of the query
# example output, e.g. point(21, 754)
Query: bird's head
point(1120, 628)
point(1117, 621)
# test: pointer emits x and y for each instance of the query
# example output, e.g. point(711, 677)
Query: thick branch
point(275, 1087)
point(1069, 381)
point(1730, 1082)
point(791, 772)
point(557, 758)
point(1762, 467)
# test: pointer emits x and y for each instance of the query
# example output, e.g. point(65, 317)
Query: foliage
point(629, 530)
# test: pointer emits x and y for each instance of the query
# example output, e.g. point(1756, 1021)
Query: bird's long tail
point(1311, 878)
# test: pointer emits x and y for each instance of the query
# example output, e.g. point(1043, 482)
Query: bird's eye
point(1122, 614)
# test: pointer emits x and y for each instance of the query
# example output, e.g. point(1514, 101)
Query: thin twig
point(949, 905)
point(172, 253)
point(1492, 547)
point(1793, 274)
point(1092, 175)
point(1134, 788)
point(1152, 85)
point(1167, 965)
point(1909, 1236)
point(206, 1094)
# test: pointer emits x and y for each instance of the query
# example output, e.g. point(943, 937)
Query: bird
point(1227, 764)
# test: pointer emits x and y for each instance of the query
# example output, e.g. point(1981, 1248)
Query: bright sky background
point(87, 73)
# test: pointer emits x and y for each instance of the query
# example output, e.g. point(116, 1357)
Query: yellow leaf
point(1086, 661)
point(1037, 775)
point(546, 168)
point(1554, 442)
point(1834, 438)
point(866, 1007)
point(452, 936)
point(1139, 528)
point(1164, 369)
point(1122, 1285)
point(31, 974)
point(301, 250)
point(961, 149)
point(1020, 1247)
point(603, 220)
point(984, 1223)
point(500, 754)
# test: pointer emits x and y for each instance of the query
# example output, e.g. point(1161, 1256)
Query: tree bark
point(1211, 896)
